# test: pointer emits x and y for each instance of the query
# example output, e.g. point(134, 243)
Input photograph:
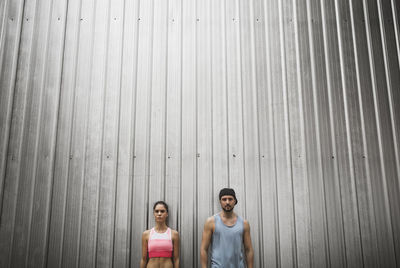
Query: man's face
point(227, 203)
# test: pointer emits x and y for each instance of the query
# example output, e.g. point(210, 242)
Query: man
point(227, 233)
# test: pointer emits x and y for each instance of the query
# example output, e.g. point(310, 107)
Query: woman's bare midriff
point(159, 263)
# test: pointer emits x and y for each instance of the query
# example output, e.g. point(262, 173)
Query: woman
point(160, 245)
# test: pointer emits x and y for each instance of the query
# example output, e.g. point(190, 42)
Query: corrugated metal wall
point(107, 106)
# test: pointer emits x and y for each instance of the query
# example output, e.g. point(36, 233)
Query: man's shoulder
point(209, 224)
point(210, 220)
point(246, 224)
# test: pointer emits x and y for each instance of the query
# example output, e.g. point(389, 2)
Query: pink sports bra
point(160, 244)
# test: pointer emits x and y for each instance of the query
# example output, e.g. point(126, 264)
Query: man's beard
point(227, 210)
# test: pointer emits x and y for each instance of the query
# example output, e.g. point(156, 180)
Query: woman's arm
point(143, 260)
point(175, 241)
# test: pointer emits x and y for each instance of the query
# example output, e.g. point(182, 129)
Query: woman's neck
point(161, 226)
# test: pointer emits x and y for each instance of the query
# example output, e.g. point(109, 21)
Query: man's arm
point(175, 239)
point(206, 240)
point(248, 248)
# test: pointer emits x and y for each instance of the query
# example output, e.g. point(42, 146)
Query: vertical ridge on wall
point(391, 139)
point(394, 95)
point(158, 101)
point(123, 202)
point(352, 215)
point(63, 155)
point(220, 140)
point(320, 237)
point(299, 156)
point(268, 167)
point(26, 140)
point(367, 218)
point(388, 224)
point(204, 115)
point(11, 29)
point(188, 135)
point(142, 125)
point(258, 58)
point(174, 113)
point(52, 70)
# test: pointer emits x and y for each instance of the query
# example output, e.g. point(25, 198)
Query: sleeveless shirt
point(227, 244)
point(160, 244)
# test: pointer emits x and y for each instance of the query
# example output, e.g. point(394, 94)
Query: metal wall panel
point(108, 106)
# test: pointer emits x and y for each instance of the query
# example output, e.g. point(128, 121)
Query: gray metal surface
point(108, 106)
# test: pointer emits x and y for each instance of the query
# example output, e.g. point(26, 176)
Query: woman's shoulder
point(146, 233)
point(174, 233)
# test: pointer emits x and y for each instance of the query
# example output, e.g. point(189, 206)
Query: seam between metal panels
point(8, 136)
point(36, 140)
point(3, 28)
point(133, 129)
point(73, 114)
point(317, 130)
point(179, 214)
point(226, 92)
point(336, 172)
point(41, 108)
point(378, 128)
point(118, 121)
point(390, 95)
point(10, 132)
point(53, 153)
point(117, 137)
point(287, 128)
point(165, 115)
point(149, 117)
point(269, 94)
point(364, 138)
point(396, 31)
point(258, 122)
point(60, 86)
point(3, 31)
point(257, 128)
point(348, 128)
point(272, 143)
point(277, 214)
point(396, 28)
point(240, 71)
point(337, 177)
point(103, 116)
point(196, 144)
point(211, 208)
point(163, 146)
point(8, 119)
point(240, 53)
point(302, 129)
point(86, 126)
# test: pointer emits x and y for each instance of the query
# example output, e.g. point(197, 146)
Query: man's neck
point(228, 215)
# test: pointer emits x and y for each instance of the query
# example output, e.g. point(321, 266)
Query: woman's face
point(160, 213)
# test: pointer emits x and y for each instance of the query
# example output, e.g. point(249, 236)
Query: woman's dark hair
point(161, 203)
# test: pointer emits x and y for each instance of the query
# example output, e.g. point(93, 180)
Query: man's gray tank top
point(227, 244)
